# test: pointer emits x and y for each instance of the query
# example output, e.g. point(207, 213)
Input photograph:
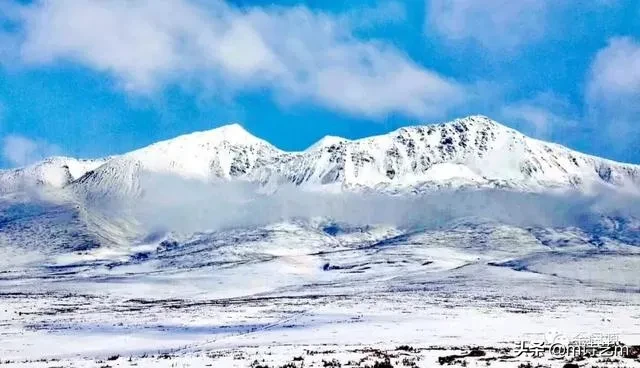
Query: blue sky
point(91, 78)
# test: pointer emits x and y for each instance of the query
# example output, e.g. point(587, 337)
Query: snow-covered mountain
point(55, 172)
point(471, 152)
point(474, 151)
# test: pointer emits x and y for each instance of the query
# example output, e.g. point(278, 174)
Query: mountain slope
point(55, 172)
point(473, 151)
point(470, 152)
point(227, 152)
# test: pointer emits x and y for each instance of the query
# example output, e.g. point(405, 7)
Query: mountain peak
point(479, 121)
point(468, 124)
point(224, 152)
point(231, 128)
point(233, 132)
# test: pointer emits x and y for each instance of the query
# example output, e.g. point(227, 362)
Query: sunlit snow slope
point(471, 152)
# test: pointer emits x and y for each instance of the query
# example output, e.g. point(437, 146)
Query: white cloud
point(298, 54)
point(538, 117)
point(193, 206)
point(510, 25)
point(494, 24)
point(613, 91)
point(20, 151)
point(542, 115)
point(615, 72)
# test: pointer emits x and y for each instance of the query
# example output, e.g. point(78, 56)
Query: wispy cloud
point(615, 72)
point(541, 115)
point(508, 26)
point(20, 151)
point(298, 54)
point(195, 206)
point(493, 24)
point(613, 91)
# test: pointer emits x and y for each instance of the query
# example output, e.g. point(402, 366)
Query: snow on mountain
point(227, 152)
point(118, 177)
point(55, 172)
point(474, 151)
point(471, 152)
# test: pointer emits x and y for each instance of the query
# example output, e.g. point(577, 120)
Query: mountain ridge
point(473, 151)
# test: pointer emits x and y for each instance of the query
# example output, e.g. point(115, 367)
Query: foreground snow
point(328, 355)
point(286, 290)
